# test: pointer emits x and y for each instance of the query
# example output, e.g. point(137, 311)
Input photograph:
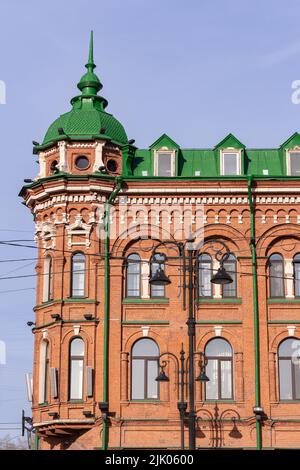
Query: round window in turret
point(82, 162)
point(112, 166)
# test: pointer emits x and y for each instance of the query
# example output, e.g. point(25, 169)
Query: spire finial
point(90, 83)
point(91, 63)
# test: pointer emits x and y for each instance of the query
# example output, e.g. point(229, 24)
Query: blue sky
point(196, 70)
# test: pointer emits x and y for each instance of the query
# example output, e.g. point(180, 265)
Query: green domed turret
point(87, 119)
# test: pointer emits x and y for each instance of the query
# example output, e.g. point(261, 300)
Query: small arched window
point(76, 363)
point(296, 262)
point(289, 369)
point(133, 276)
point(144, 370)
point(218, 354)
point(157, 260)
point(47, 280)
point(205, 274)
point(78, 275)
point(276, 275)
point(230, 290)
point(44, 372)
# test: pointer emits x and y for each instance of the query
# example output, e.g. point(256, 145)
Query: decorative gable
point(230, 141)
point(292, 142)
point(165, 141)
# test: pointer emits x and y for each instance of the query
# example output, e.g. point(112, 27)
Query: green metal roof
point(207, 161)
point(87, 119)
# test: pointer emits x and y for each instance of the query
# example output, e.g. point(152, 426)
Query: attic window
point(164, 164)
point(294, 164)
point(230, 163)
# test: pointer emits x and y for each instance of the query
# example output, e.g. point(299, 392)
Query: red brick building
point(100, 206)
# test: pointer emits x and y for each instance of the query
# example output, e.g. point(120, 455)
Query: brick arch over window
point(235, 239)
point(271, 236)
point(139, 335)
point(229, 335)
point(122, 245)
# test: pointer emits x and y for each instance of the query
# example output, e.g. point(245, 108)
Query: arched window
point(230, 290)
point(157, 260)
point(218, 354)
point(133, 277)
point(296, 262)
point(276, 274)
point(48, 280)
point(144, 370)
point(76, 369)
point(78, 275)
point(205, 274)
point(289, 369)
point(44, 372)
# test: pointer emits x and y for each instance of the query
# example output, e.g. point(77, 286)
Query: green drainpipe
point(255, 307)
point(118, 184)
point(36, 444)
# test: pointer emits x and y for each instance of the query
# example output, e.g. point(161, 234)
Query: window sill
point(288, 402)
point(43, 404)
point(160, 300)
point(75, 402)
point(210, 402)
point(283, 300)
point(81, 299)
point(232, 300)
point(145, 401)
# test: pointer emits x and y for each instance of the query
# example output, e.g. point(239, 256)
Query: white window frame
point(238, 153)
point(173, 159)
point(288, 159)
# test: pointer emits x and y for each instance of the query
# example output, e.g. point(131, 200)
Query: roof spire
point(90, 64)
point(90, 84)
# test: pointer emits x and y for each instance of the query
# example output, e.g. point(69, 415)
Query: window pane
point(152, 384)
point(226, 380)
point(157, 291)
point(230, 163)
point(138, 379)
point(218, 348)
point(46, 377)
point(285, 379)
point(78, 275)
point(297, 278)
point(295, 163)
point(211, 387)
point(276, 276)
point(133, 276)
point(77, 347)
point(205, 274)
point(76, 385)
point(289, 348)
point(230, 290)
point(296, 366)
point(145, 347)
point(164, 161)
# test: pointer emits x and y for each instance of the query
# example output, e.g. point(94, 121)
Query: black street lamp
point(181, 372)
point(159, 278)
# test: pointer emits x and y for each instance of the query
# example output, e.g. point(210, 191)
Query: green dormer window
point(164, 163)
point(294, 163)
point(230, 163)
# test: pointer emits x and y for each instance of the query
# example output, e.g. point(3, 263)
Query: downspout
point(255, 311)
point(113, 195)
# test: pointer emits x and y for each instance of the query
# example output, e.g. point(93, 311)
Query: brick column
point(124, 375)
point(238, 376)
point(289, 283)
point(272, 375)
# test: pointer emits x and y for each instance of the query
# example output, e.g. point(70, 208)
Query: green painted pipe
point(255, 311)
point(118, 184)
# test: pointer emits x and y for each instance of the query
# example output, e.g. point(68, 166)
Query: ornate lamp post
point(161, 279)
point(181, 372)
